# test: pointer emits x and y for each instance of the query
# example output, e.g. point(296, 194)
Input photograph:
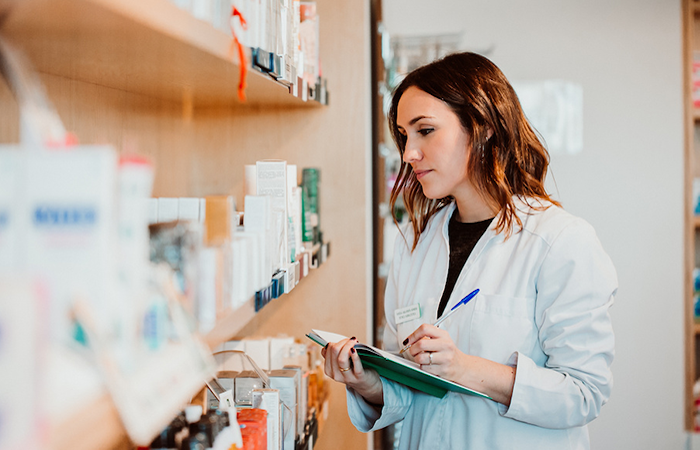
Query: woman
point(537, 338)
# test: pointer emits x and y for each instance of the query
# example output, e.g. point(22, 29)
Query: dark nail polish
point(352, 350)
point(405, 342)
point(353, 338)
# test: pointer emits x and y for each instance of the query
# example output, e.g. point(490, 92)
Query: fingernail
point(353, 338)
point(405, 341)
point(352, 350)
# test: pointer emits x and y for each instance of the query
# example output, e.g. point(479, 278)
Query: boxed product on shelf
point(64, 224)
point(301, 387)
point(695, 80)
point(253, 428)
point(294, 211)
point(302, 379)
point(135, 182)
point(219, 220)
point(269, 353)
point(309, 64)
point(258, 218)
point(22, 345)
point(168, 209)
point(178, 244)
point(11, 164)
point(288, 382)
point(217, 429)
point(243, 385)
point(210, 282)
point(269, 400)
point(310, 203)
point(272, 182)
point(247, 35)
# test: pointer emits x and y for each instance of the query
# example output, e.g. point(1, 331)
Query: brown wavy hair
point(512, 162)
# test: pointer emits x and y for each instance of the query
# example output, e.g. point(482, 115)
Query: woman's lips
point(421, 173)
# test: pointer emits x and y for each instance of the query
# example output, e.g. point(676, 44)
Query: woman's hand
point(342, 364)
point(436, 352)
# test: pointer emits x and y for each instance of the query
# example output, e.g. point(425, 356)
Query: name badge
point(406, 314)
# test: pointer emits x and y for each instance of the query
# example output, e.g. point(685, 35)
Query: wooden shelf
point(148, 47)
point(97, 425)
point(696, 115)
point(234, 320)
point(696, 222)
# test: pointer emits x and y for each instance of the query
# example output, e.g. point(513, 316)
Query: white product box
point(251, 178)
point(208, 278)
point(290, 278)
point(135, 180)
point(202, 209)
point(203, 10)
point(261, 22)
point(259, 350)
point(233, 362)
point(152, 207)
point(279, 351)
point(21, 357)
point(308, 40)
point(168, 209)
point(239, 273)
point(269, 400)
point(287, 382)
point(258, 218)
point(69, 212)
point(11, 235)
point(295, 215)
point(302, 397)
point(296, 18)
point(188, 209)
point(292, 245)
point(272, 182)
point(251, 263)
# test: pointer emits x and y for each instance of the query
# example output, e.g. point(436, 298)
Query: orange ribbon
point(241, 53)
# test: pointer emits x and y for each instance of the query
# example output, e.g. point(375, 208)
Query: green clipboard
point(397, 368)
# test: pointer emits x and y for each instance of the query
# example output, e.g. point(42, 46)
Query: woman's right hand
point(342, 364)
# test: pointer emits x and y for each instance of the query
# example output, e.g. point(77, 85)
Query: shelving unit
point(150, 48)
point(98, 424)
point(144, 76)
point(234, 321)
point(691, 22)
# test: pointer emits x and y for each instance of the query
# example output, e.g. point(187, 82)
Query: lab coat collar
point(523, 208)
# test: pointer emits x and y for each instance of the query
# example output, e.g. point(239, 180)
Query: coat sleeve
point(397, 397)
point(575, 289)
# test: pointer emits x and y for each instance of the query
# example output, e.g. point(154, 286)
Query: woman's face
point(436, 144)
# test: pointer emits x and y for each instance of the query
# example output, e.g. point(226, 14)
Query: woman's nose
point(411, 153)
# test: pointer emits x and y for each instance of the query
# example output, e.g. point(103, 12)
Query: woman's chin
point(433, 194)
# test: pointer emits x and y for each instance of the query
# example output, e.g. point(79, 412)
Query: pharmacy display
point(107, 292)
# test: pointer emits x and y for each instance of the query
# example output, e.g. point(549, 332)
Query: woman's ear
point(489, 133)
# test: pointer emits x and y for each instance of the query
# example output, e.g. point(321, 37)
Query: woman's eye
point(426, 131)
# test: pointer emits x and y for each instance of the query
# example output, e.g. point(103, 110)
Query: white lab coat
point(542, 307)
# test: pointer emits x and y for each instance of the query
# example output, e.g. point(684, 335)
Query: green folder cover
point(397, 368)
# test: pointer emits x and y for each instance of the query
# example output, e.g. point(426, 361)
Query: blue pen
point(437, 323)
point(464, 301)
